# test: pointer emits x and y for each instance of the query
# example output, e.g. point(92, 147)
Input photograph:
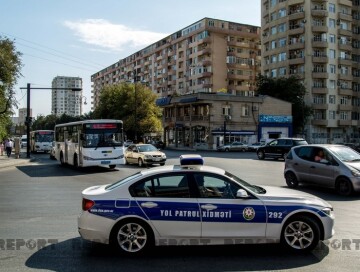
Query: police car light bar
point(191, 159)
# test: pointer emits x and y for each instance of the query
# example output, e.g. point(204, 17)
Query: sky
point(78, 38)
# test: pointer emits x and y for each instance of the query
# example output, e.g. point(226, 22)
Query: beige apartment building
point(318, 41)
point(210, 56)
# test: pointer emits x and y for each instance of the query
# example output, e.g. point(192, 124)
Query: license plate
point(105, 162)
point(156, 159)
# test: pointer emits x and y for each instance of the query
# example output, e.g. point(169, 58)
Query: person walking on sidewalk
point(8, 146)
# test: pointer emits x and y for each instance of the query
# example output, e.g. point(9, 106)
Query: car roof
point(320, 145)
point(182, 168)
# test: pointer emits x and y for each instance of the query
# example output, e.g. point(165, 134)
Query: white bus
point(90, 143)
point(41, 140)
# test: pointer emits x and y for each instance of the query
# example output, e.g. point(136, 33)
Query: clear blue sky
point(81, 37)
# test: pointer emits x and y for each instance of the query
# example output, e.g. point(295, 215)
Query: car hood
point(286, 195)
point(355, 165)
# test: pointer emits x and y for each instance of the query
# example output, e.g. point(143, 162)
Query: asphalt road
point(40, 202)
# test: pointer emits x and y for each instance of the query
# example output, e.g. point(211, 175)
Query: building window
point(331, 8)
point(282, 56)
point(273, 44)
point(332, 54)
point(332, 115)
point(332, 68)
point(226, 110)
point(274, 73)
point(332, 23)
point(332, 84)
point(332, 99)
point(282, 28)
point(282, 12)
point(332, 38)
point(273, 30)
point(282, 71)
point(282, 42)
point(245, 111)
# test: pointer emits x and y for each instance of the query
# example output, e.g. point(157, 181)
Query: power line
point(55, 50)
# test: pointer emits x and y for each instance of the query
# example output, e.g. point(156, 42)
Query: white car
point(197, 204)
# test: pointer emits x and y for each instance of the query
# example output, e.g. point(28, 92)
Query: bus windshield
point(102, 139)
point(44, 138)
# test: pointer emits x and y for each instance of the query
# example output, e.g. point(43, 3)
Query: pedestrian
point(8, 146)
point(2, 148)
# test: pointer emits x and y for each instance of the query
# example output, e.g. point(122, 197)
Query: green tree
point(10, 67)
point(118, 102)
point(288, 89)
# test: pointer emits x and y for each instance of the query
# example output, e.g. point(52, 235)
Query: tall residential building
point(207, 56)
point(318, 41)
point(65, 100)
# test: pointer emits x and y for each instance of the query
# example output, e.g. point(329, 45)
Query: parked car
point(144, 154)
point(253, 147)
point(338, 167)
point(180, 204)
point(158, 144)
point(278, 148)
point(234, 146)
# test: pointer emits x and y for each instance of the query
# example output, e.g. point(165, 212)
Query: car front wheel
point(261, 155)
point(291, 180)
point(344, 187)
point(132, 237)
point(140, 162)
point(301, 234)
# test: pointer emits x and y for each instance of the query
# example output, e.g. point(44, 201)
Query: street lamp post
point(28, 118)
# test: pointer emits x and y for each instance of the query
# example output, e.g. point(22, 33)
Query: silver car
point(334, 166)
point(234, 146)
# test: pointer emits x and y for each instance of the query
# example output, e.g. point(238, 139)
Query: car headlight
point(148, 157)
point(163, 156)
point(328, 211)
point(355, 173)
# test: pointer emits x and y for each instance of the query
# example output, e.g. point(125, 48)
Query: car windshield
point(147, 148)
point(122, 181)
point(254, 188)
point(345, 153)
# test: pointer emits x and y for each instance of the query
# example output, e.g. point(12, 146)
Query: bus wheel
point(112, 166)
point(76, 163)
point(62, 159)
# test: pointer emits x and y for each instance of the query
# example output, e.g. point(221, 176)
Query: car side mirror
point(241, 193)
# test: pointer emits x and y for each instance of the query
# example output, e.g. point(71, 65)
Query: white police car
point(200, 205)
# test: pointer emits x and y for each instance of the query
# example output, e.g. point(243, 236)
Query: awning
point(188, 100)
point(163, 101)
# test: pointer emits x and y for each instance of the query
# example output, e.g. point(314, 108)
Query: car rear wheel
point(291, 180)
point(132, 237)
point(261, 155)
point(227, 149)
point(344, 187)
point(140, 162)
point(300, 234)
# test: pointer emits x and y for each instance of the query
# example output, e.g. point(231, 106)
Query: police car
point(195, 204)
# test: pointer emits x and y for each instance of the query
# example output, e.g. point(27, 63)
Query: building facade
point(319, 42)
point(207, 120)
point(65, 100)
point(207, 56)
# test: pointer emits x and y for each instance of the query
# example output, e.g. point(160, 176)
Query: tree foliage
point(49, 121)
point(10, 66)
point(288, 89)
point(118, 102)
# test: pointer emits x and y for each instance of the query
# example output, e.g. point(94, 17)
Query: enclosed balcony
point(319, 13)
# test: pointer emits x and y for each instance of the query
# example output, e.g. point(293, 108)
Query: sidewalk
point(13, 161)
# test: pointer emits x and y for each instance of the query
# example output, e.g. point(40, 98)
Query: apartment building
point(319, 42)
point(65, 100)
point(207, 56)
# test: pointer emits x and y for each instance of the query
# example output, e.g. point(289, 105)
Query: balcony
point(319, 44)
point(344, 32)
point(344, 16)
point(296, 30)
point(344, 123)
point(205, 74)
point(322, 29)
point(320, 59)
point(204, 51)
point(320, 75)
point(295, 2)
point(345, 46)
point(297, 15)
point(347, 107)
point(319, 90)
point(319, 13)
point(345, 2)
point(296, 61)
point(345, 61)
point(320, 106)
point(296, 45)
point(347, 77)
point(345, 92)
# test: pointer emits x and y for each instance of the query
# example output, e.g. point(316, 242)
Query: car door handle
point(208, 207)
point(149, 205)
